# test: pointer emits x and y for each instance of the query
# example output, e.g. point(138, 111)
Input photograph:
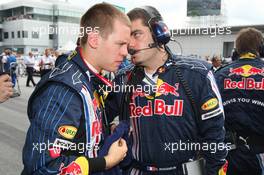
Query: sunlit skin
point(108, 53)
point(141, 37)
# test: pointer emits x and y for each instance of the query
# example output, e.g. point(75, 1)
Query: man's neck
point(156, 62)
point(89, 58)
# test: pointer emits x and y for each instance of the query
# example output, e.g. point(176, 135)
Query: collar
point(86, 66)
point(165, 66)
point(248, 55)
point(90, 66)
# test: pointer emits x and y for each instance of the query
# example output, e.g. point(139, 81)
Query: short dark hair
point(144, 14)
point(215, 58)
point(101, 15)
point(249, 40)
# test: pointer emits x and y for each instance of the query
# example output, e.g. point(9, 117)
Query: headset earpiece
point(159, 29)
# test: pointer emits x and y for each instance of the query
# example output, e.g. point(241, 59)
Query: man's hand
point(116, 153)
point(6, 89)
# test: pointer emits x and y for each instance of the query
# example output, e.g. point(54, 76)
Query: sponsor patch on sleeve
point(210, 104)
point(67, 131)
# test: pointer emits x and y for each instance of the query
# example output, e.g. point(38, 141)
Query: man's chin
point(139, 63)
point(136, 61)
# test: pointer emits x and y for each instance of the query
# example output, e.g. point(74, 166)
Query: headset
point(159, 29)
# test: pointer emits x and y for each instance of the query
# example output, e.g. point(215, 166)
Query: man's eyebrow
point(135, 31)
point(122, 41)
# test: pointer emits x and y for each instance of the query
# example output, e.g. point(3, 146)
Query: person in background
point(242, 90)
point(216, 62)
point(4, 59)
point(46, 63)
point(10, 65)
point(30, 62)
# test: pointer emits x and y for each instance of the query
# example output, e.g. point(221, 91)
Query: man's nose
point(124, 50)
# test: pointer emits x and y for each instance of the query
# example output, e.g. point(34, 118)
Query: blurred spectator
point(30, 63)
point(216, 61)
point(21, 67)
point(57, 54)
point(1, 62)
point(46, 63)
point(10, 65)
point(4, 60)
point(207, 58)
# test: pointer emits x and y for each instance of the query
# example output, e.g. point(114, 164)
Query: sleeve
point(54, 121)
point(211, 127)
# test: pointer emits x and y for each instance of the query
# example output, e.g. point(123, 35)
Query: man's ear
point(93, 39)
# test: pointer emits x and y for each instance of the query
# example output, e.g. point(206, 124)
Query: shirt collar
point(93, 70)
point(248, 55)
point(90, 66)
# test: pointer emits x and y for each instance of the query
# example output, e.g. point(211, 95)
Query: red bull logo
point(72, 169)
point(159, 108)
point(256, 71)
point(236, 71)
point(246, 71)
point(166, 89)
point(244, 84)
point(162, 88)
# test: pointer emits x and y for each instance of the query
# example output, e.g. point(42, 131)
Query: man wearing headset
point(174, 102)
point(241, 85)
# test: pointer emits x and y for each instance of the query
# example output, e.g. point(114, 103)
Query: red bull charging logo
point(247, 83)
point(72, 169)
point(246, 71)
point(162, 88)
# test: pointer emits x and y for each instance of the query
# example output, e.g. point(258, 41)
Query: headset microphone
point(134, 51)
